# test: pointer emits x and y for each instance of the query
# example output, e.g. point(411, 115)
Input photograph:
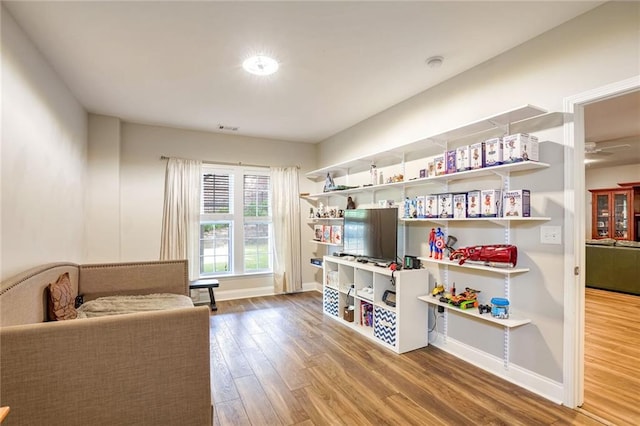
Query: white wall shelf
point(500, 170)
point(503, 221)
point(326, 244)
point(510, 322)
point(466, 265)
point(430, 145)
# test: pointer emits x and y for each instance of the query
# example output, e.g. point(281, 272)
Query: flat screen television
point(371, 233)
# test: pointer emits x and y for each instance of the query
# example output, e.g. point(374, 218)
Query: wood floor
point(279, 361)
point(612, 354)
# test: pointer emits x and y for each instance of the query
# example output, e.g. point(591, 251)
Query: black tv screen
point(371, 233)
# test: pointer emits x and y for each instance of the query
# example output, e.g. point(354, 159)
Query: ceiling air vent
point(229, 128)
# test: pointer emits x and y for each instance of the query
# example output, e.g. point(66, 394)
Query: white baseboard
point(522, 377)
point(312, 286)
point(254, 292)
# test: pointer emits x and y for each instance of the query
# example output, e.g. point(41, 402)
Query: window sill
point(237, 276)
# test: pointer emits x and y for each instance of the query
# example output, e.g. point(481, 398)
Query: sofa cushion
point(61, 302)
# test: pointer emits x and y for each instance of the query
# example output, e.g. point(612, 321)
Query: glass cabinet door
point(602, 215)
point(621, 222)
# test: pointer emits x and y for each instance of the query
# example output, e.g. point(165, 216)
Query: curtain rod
point(223, 163)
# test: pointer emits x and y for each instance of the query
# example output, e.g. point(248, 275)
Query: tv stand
point(401, 328)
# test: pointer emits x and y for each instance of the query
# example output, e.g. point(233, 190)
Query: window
point(235, 221)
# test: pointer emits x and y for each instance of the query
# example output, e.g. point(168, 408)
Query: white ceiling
point(614, 125)
point(179, 63)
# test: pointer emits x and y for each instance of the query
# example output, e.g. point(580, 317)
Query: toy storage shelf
point(510, 322)
point(501, 170)
point(503, 221)
point(503, 271)
point(400, 328)
point(429, 145)
point(326, 244)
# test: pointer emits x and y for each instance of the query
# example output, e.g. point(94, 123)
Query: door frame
point(575, 211)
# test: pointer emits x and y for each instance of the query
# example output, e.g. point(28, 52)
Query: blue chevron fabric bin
point(330, 303)
point(384, 325)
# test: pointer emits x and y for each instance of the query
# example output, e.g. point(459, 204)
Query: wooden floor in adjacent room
point(278, 361)
point(612, 356)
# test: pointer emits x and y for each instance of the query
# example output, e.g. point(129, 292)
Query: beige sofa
point(150, 368)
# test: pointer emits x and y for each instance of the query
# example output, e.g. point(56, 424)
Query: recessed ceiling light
point(260, 65)
point(435, 61)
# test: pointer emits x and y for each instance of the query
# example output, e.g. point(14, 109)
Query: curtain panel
point(286, 230)
point(181, 214)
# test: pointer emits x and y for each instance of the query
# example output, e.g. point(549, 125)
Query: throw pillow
point(61, 300)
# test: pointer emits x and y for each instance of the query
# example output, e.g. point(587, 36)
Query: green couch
point(613, 268)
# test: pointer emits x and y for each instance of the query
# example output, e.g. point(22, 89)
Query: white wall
point(44, 133)
point(137, 208)
point(606, 177)
point(597, 48)
point(103, 190)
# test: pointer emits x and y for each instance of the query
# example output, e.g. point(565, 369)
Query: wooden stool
point(209, 284)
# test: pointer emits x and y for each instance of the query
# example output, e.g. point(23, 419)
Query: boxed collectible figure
point(431, 166)
point(439, 165)
point(326, 233)
point(336, 235)
point(459, 206)
point(420, 207)
point(491, 202)
point(462, 158)
point(516, 203)
point(476, 155)
point(431, 206)
point(473, 204)
point(520, 147)
point(445, 205)
point(493, 152)
point(451, 161)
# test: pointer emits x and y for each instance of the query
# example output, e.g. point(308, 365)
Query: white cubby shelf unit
point(401, 328)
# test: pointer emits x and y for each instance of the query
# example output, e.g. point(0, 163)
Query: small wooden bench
point(209, 284)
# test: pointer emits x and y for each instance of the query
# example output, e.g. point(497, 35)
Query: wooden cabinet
point(615, 212)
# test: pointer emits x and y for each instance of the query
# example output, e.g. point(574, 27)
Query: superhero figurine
point(440, 244)
point(432, 242)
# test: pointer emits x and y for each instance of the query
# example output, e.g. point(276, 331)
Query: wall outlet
point(550, 235)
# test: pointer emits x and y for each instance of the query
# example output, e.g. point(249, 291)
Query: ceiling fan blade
point(597, 153)
point(609, 148)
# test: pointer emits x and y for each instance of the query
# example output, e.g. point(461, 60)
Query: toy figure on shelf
point(440, 244)
point(432, 242)
point(328, 184)
point(350, 203)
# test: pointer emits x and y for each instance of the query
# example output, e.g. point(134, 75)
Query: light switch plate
point(551, 235)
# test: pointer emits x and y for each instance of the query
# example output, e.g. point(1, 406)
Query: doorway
point(575, 196)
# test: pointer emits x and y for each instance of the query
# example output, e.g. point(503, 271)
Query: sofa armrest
point(147, 368)
point(108, 279)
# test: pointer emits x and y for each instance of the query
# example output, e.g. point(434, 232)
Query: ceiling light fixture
point(260, 65)
point(435, 61)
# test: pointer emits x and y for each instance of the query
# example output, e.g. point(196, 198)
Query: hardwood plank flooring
point(279, 361)
point(612, 351)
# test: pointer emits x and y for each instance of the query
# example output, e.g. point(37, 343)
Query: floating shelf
point(501, 170)
point(498, 220)
point(503, 271)
point(429, 145)
point(326, 244)
point(510, 322)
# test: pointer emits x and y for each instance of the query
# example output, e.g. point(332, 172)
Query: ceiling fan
point(592, 148)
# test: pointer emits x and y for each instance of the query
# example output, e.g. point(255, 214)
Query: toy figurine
point(350, 203)
point(432, 242)
point(440, 244)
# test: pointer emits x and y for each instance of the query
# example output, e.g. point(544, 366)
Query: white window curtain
point(287, 268)
point(181, 214)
